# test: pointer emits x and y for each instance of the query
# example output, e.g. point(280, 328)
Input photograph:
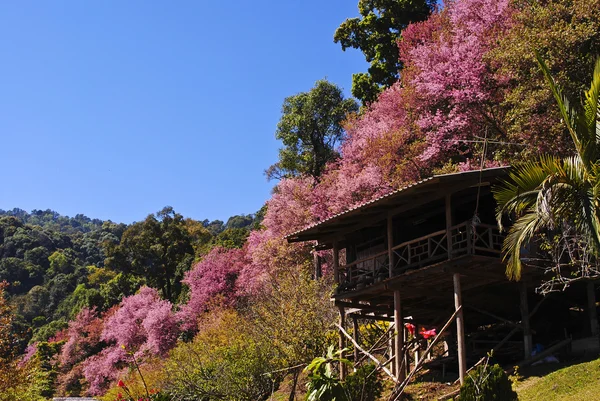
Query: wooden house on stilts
point(430, 254)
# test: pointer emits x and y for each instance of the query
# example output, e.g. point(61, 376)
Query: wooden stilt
point(356, 335)
point(527, 342)
point(399, 336)
point(417, 348)
point(449, 224)
point(390, 245)
point(336, 263)
point(591, 297)
point(460, 329)
point(317, 265)
point(392, 349)
point(342, 343)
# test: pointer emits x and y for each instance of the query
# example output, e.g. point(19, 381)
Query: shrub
point(364, 384)
point(487, 383)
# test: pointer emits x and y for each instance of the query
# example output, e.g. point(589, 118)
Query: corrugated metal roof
point(497, 171)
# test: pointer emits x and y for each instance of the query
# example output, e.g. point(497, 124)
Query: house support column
point(317, 265)
point(460, 329)
point(391, 346)
point(527, 341)
point(449, 225)
point(336, 262)
point(342, 343)
point(390, 245)
point(398, 336)
point(591, 297)
point(356, 335)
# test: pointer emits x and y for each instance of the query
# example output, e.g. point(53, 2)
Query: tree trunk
point(294, 383)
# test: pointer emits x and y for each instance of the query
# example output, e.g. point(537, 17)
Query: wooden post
point(317, 265)
point(391, 343)
point(356, 335)
point(336, 263)
point(398, 336)
point(449, 224)
point(460, 329)
point(390, 245)
point(527, 343)
point(416, 348)
point(591, 296)
point(342, 343)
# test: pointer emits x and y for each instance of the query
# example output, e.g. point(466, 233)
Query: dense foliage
point(488, 383)
point(310, 129)
point(375, 33)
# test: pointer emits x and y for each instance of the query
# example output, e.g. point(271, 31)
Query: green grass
point(573, 383)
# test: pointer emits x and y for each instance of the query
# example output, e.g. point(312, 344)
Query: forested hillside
point(57, 265)
point(175, 308)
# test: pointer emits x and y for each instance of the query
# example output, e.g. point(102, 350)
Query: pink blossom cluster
point(143, 325)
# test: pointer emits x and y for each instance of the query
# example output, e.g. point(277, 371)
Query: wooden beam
point(356, 335)
point(396, 394)
point(460, 329)
point(492, 315)
point(379, 365)
point(390, 245)
point(399, 335)
point(487, 274)
point(591, 298)
point(317, 265)
point(524, 306)
point(342, 343)
point(336, 263)
point(449, 224)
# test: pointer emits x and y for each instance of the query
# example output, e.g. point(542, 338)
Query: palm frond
point(590, 105)
point(562, 102)
point(519, 235)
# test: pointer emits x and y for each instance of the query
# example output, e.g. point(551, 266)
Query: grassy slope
point(573, 383)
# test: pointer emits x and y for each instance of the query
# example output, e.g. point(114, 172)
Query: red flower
point(120, 383)
point(427, 333)
point(119, 396)
point(410, 327)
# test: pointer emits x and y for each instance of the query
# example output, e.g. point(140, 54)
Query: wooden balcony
point(465, 239)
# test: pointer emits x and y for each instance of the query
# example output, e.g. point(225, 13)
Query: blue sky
point(115, 109)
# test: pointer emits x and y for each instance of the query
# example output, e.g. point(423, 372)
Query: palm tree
point(553, 193)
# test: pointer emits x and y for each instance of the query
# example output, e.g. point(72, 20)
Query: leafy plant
point(487, 383)
point(364, 384)
point(324, 384)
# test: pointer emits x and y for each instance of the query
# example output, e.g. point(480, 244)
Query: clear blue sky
point(115, 109)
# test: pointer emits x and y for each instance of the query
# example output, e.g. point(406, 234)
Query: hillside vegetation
point(175, 308)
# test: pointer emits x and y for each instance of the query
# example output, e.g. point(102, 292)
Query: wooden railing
point(465, 239)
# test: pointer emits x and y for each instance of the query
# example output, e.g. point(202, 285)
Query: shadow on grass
point(544, 369)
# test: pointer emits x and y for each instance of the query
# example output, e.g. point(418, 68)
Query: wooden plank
point(356, 335)
point(342, 343)
point(390, 245)
point(501, 319)
point(460, 329)
point(336, 263)
point(379, 365)
point(399, 335)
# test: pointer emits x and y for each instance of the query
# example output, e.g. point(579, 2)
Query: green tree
point(376, 33)
point(553, 193)
point(158, 248)
point(310, 128)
